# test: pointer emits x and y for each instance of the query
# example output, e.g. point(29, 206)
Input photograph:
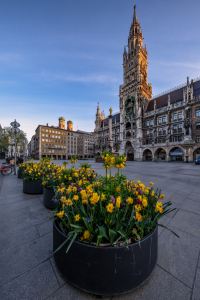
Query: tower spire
point(135, 20)
point(98, 111)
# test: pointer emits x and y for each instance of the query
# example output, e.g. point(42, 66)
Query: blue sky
point(61, 57)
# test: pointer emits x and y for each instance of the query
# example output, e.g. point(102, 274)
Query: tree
point(9, 136)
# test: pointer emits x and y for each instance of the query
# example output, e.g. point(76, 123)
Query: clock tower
point(135, 93)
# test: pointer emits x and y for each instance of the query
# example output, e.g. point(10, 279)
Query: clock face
point(131, 64)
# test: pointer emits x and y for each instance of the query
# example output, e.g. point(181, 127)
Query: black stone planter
point(48, 194)
point(32, 186)
point(20, 174)
point(106, 271)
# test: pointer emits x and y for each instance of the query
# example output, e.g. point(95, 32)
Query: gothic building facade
point(166, 127)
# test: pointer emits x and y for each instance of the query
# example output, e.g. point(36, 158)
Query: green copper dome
point(61, 118)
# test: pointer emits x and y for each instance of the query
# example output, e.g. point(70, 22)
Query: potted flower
point(32, 178)
point(50, 180)
point(105, 232)
point(21, 169)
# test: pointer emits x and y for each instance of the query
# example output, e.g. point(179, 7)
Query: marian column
point(110, 141)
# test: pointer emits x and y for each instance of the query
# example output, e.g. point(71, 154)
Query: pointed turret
point(135, 20)
point(98, 111)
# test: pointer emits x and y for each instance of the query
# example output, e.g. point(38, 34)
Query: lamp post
point(15, 130)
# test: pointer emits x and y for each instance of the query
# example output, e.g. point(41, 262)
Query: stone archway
point(128, 134)
point(176, 154)
point(129, 150)
point(128, 125)
point(161, 154)
point(147, 155)
point(196, 154)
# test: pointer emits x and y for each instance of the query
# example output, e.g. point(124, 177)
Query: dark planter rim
point(32, 187)
point(100, 247)
point(134, 266)
point(48, 188)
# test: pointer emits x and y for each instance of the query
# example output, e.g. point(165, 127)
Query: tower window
point(180, 115)
point(197, 125)
point(198, 112)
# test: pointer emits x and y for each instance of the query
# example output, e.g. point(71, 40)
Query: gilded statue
point(110, 111)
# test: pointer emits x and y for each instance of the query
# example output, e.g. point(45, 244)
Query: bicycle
point(6, 170)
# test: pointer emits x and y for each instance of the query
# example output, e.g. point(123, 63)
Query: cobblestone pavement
point(27, 268)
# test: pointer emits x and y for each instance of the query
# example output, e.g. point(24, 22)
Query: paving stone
point(13, 214)
point(68, 291)
point(187, 221)
point(160, 286)
point(20, 205)
point(192, 206)
point(60, 277)
point(196, 288)
point(15, 239)
point(199, 260)
point(11, 194)
point(28, 196)
point(38, 207)
point(19, 223)
point(179, 256)
point(178, 198)
point(11, 200)
point(45, 227)
point(19, 260)
point(195, 196)
point(37, 283)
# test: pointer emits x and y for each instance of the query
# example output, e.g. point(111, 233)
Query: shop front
point(176, 155)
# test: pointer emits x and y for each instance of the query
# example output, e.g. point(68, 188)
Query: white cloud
point(98, 78)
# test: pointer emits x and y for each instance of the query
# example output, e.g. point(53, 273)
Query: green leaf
point(112, 235)
point(76, 226)
point(168, 229)
point(119, 238)
point(102, 232)
point(62, 245)
point(99, 238)
point(74, 237)
point(90, 240)
point(86, 224)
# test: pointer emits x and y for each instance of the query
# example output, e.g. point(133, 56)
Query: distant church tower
point(62, 123)
point(98, 118)
point(135, 93)
point(70, 125)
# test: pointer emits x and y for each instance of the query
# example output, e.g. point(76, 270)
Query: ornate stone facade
point(166, 127)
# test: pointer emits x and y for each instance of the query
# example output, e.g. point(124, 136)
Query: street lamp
point(15, 130)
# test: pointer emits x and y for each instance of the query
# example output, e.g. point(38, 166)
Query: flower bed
point(107, 209)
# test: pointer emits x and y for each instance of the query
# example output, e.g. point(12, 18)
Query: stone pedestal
point(110, 141)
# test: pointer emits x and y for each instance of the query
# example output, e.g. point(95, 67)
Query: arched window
point(131, 45)
point(198, 125)
point(198, 112)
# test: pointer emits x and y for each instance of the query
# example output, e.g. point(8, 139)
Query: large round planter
point(48, 194)
point(106, 271)
point(32, 186)
point(20, 174)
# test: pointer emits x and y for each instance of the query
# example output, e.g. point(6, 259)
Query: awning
point(176, 153)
